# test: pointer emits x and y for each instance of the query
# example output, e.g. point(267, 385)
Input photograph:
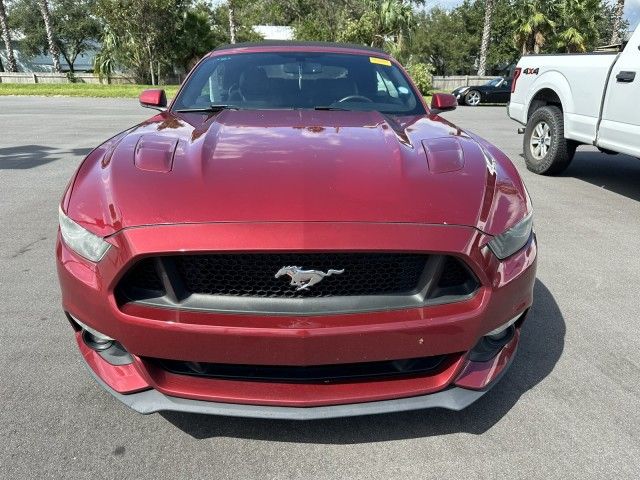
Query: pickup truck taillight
point(516, 75)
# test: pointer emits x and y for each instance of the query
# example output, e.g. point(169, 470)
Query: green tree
point(145, 31)
point(441, 40)
point(618, 23)
point(244, 19)
point(233, 27)
point(576, 29)
point(532, 24)
point(196, 36)
point(106, 60)
point(502, 50)
point(75, 28)
point(54, 51)
point(381, 23)
point(421, 73)
point(486, 36)
point(6, 37)
point(320, 20)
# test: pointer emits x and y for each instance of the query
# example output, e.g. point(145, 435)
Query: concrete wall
point(455, 81)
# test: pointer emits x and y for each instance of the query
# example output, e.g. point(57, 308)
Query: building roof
point(274, 32)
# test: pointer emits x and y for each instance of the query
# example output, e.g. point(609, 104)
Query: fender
point(556, 82)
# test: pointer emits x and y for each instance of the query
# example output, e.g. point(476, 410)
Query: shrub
point(422, 75)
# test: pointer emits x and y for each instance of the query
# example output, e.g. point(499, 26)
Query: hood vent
point(444, 154)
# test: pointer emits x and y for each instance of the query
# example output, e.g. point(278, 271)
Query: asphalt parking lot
point(568, 408)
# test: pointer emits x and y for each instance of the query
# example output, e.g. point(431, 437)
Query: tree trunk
point(232, 23)
point(617, 22)
point(70, 60)
point(486, 37)
point(12, 66)
point(51, 41)
point(153, 75)
point(538, 40)
point(150, 58)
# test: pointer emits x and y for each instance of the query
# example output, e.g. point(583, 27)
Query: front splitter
point(151, 401)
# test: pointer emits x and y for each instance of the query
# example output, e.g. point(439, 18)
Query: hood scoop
point(154, 153)
point(444, 154)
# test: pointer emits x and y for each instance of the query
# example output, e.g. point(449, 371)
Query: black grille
point(454, 274)
point(253, 275)
point(311, 374)
point(246, 282)
point(144, 276)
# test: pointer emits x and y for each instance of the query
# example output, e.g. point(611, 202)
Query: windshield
point(495, 82)
point(300, 80)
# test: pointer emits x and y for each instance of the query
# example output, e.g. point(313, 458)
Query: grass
point(80, 90)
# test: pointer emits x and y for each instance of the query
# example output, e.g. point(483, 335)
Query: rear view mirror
point(304, 68)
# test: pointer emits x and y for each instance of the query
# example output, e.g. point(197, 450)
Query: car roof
point(297, 45)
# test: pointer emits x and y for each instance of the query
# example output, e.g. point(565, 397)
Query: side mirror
point(154, 98)
point(443, 102)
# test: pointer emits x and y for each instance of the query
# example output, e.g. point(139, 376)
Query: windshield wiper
point(210, 108)
point(329, 107)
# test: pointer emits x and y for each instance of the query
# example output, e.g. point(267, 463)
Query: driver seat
point(254, 85)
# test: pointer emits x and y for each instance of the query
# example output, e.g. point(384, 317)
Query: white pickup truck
point(574, 99)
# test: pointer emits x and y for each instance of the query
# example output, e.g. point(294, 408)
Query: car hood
point(458, 90)
point(295, 166)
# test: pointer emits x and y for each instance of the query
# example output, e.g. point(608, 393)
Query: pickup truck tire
point(546, 151)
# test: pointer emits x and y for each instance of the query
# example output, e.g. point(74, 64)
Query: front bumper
point(147, 401)
point(295, 340)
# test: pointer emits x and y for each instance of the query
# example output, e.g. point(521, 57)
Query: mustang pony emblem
point(304, 279)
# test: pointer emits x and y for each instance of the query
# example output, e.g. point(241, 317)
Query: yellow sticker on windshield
point(380, 61)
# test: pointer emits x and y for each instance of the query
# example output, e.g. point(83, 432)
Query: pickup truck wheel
point(546, 151)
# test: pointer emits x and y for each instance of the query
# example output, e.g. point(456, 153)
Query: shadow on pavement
point(541, 346)
point(31, 156)
point(616, 173)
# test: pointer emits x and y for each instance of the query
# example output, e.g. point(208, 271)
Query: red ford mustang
point(296, 236)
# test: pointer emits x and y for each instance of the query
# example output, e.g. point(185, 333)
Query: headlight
point(509, 242)
point(80, 240)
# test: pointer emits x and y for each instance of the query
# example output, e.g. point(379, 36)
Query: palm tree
point(4, 27)
point(395, 21)
point(578, 29)
point(51, 41)
point(486, 36)
point(105, 61)
point(532, 25)
point(617, 22)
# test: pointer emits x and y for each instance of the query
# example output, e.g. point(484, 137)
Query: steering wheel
point(233, 89)
point(355, 97)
